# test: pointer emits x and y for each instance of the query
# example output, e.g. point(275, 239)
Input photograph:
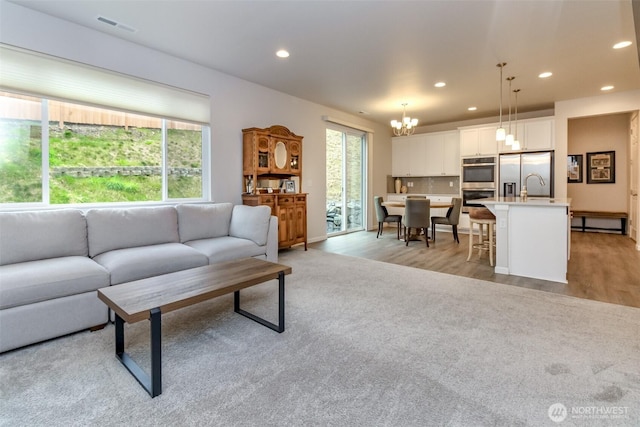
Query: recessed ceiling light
point(472, 108)
point(545, 74)
point(606, 87)
point(440, 84)
point(282, 53)
point(620, 45)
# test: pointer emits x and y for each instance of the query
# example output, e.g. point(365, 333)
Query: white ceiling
point(372, 56)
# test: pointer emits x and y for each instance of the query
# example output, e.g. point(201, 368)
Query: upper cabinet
point(443, 153)
point(534, 135)
point(478, 141)
point(429, 154)
point(539, 135)
point(408, 154)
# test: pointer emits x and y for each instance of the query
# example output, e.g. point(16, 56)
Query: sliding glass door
point(345, 179)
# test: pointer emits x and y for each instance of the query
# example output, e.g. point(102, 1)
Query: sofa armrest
point(272, 240)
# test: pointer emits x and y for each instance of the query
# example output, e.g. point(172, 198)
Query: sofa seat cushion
point(227, 248)
point(34, 281)
point(126, 265)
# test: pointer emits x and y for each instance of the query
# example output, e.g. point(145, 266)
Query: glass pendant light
point(516, 143)
point(509, 139)
point(500, 132)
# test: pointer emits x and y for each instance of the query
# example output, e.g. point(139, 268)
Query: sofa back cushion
point(197, 221)
point(250, 222)
point(35, 235)
point(120, 228)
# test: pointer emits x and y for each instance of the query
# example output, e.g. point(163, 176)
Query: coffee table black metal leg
point(153, 383)
point(280, 326)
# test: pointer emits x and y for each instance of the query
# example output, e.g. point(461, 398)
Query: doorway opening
point(345, 182)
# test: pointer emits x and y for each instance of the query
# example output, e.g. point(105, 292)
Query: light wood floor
point(603, 267)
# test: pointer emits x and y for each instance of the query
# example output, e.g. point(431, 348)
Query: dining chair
point(416, 215)
point(383, 216)
point(452, 219)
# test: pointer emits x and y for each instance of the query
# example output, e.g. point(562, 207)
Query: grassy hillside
point(94, 146)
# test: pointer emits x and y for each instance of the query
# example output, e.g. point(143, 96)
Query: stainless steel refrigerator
point(514, 168)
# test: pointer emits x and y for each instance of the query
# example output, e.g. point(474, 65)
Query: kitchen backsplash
point(427, 184)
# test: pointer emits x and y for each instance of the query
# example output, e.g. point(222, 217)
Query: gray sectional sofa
point(52, 262)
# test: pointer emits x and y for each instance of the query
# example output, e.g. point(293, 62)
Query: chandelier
point(406, 126)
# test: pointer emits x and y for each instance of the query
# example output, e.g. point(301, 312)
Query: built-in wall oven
point(479, 170)
point(478, 180)
point(469, 195)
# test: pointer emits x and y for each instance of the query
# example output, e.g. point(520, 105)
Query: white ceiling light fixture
point(606, 88)
point(622, 44)
point(472, 108)
point(509, 138)
point(516, 143)
point(282, 53)
point(501, 135)
point(406, 126)
point(440, 84)
point(545, 75)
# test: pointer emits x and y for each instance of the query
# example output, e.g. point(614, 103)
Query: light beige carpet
point(366, 344)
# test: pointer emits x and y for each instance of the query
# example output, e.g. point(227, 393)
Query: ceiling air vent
point(116, 24)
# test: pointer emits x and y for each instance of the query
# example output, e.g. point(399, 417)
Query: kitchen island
point(533, 236)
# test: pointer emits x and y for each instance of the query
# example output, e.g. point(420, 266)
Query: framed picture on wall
point(574, 168)
point(601, 167)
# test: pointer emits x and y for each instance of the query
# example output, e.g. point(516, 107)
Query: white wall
point(235, 104)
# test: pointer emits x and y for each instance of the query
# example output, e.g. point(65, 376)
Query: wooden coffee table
point(150, 298)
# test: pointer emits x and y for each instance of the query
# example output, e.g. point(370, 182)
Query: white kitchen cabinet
point(539, 135)
point(451, 163)
point(400, 152)
point(408, 156)
point(443, 153)
point(478, 141)
point(533, 134)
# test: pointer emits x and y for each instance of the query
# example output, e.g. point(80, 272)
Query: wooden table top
point(133, 300)
point(433, 205)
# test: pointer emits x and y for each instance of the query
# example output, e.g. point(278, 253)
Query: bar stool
point(482, 217)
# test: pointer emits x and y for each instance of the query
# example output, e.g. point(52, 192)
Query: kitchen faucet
point(523, 192)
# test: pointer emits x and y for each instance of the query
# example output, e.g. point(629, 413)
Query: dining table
point(432, 205)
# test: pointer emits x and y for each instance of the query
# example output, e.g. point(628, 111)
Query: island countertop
point(530, 201)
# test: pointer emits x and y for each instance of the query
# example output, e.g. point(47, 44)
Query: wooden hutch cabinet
point(271, 158)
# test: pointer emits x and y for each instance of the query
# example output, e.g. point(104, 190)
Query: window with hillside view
point(95, 155)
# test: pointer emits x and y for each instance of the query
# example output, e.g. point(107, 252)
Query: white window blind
point(51, 77)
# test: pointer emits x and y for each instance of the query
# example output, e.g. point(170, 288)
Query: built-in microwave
point(479, 171)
